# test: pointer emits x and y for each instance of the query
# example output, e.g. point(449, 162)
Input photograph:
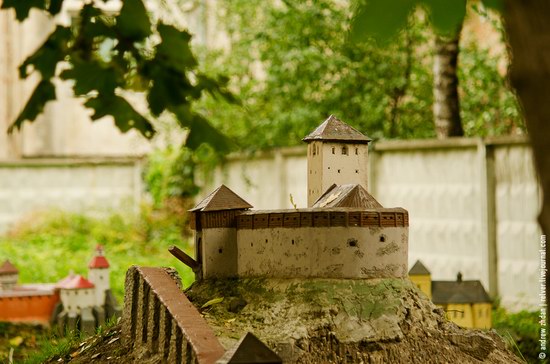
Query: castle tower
point(9, 275)
point(336, 154)
point(215, 225)
point(76, 293)
point(98, 274)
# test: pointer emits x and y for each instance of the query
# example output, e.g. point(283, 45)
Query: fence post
point(488, 214)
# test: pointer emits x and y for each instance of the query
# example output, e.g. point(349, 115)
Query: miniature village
point(73, 303)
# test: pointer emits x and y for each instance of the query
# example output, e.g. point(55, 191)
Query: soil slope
point(324, 321)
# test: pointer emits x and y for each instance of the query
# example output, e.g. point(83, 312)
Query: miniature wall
point(159, 318)
point(76, 299)
point(309, 243)
point(28, 308)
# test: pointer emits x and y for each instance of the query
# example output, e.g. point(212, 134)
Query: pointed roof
point(349, 195)
point(222, 198)
point(76, 282)
point(8, 268)
point(250, 350)
point(98, 261)
point(446, 292)
point(419, 269)
point(65, 280)
point(333, 129)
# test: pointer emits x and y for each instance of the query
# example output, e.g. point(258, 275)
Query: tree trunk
point(446, 103)
point(528, 28)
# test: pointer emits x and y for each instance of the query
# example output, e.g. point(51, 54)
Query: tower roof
point(349, 195)
point(419, 269)
point(222, 198)
point(76, 282)
point(8, 268)
point(98, 261)
point(336, 130)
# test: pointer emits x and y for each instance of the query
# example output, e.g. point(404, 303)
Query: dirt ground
point(322, 321)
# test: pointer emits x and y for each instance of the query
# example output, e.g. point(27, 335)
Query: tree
point(137, 55)
point(446, 106)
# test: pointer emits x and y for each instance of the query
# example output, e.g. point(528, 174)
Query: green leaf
point(380, 19)
point(44, 92)
point(133, 21)
point(446, 16)
point(174, 48)
point(55, 6)
point(89, 76)
point(126, 117)
point(45, 59)
point(213, 302)
point(22, 7)
point(201, 131)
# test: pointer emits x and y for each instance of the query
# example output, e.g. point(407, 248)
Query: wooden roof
point(334, 129)
point(349, 195)
point(222, 198)
point(8, 268)
point(419, 269)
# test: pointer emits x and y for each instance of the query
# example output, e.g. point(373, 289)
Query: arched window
point(345, 150)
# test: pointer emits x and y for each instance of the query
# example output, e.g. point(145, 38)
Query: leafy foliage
point(292, 65)
point(521, 332)
point(105, 55)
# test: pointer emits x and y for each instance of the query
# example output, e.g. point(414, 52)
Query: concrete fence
point(97, 185)
point(472, 203)
point(158, 319)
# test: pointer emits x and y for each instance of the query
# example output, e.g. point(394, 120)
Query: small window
point(344, 150)
point(356, 151)
point(382, 238)
point(357, 171)
point(333, 150)
point(220, 250)
point(328, 167)
point(292, 241)
point(338, 171)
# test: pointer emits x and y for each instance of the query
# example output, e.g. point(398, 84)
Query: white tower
point(98, 274)
point(336, 153)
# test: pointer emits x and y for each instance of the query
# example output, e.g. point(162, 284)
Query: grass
point(520, 331)
point(47, 247)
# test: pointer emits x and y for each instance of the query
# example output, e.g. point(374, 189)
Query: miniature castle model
point(74, 302)
point(87, 302)
point(344, 233)
point(466, 302)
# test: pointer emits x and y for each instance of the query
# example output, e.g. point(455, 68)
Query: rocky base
point(342, 321)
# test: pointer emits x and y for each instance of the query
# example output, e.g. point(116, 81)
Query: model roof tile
point(419, 269)
point(334, 129)
point(76, 282)
point(349, 195)
point(98, 262)
point(446, 292)
point(222, 198)
point(8, 268)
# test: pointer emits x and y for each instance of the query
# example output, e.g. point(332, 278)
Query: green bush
point(520, 331)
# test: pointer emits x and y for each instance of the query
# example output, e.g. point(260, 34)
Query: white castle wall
point(327, 252)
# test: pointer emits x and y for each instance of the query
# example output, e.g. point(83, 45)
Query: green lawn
point(47, 247)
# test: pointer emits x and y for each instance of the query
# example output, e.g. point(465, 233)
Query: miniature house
point(465, 302)
point(345, 233)
point(86, 303)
